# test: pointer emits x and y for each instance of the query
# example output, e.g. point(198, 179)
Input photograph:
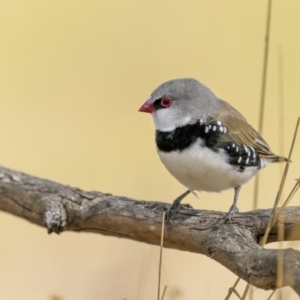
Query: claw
point(174, 208)
point(170, 212)
point(227, 218)
point(194, 193)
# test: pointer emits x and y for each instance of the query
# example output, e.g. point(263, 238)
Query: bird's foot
point(174, 207)
point(170, 212)
point(227, 218)
point(230, 214)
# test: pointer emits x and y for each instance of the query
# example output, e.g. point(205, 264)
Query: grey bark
point(235, 245)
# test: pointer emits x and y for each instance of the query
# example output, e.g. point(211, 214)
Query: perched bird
point(204, 142)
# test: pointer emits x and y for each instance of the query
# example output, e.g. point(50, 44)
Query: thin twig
point(281, 151)
point(160, 254)
point(235, 292)
point(246, 291)
point(286, 169)
point(274, 216)
point(263, 90)
point(265, 67)
point(281, 98)
point(230, 290)
point(164, 292)
point(288, 199)
point(271, 295)
point(261, 111)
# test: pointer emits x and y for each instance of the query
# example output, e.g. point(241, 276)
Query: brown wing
point(242, 133)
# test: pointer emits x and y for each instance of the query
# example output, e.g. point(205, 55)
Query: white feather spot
point(228, 147)
point(219, 123)
point(246, 149)
point(225, 129)
point(233, 145)
point(206, 129)
point(254, 155)
point(201, 121)
point(240, 159)
point(214, 128)
point(247, 160)
point(209, 126)
point(237, 149)
point(249, 153)
point(221, 128)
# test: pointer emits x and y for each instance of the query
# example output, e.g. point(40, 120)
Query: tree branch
point(235, 245)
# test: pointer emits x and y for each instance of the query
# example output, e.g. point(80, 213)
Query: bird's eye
point(166, 102)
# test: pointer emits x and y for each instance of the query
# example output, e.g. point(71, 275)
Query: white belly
point(199, 168)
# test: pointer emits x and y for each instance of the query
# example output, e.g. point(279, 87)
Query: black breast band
point(211, 136)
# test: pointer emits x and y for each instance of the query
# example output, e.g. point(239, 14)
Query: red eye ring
point(166, 102)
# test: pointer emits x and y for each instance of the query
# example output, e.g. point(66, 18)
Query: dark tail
point(275, 158)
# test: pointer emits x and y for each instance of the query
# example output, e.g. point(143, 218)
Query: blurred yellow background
point(72, 77)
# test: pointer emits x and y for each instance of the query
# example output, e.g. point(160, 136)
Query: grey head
point(188, 100)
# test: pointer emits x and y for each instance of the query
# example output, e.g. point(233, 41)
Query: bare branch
point(235, 245)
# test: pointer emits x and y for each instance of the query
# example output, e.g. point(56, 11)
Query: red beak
point(147, 106)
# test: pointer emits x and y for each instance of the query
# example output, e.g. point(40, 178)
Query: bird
point(204, 142)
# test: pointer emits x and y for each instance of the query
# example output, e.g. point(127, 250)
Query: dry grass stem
point(262, 101)
point(265, 67)
point(286, 169)
point(233, 290)
point(271, 295)
point(279, 217)
point(290, 196)
point(281, 151)
point(246, 291)
point(230, 290)
point(160, 255)
point(274, 217)
point(263, 90)
point(164, 292)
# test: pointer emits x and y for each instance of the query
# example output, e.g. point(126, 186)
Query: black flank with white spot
point(211, 133)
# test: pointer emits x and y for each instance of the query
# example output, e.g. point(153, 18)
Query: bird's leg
point(174, 207)
point(233, 209)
